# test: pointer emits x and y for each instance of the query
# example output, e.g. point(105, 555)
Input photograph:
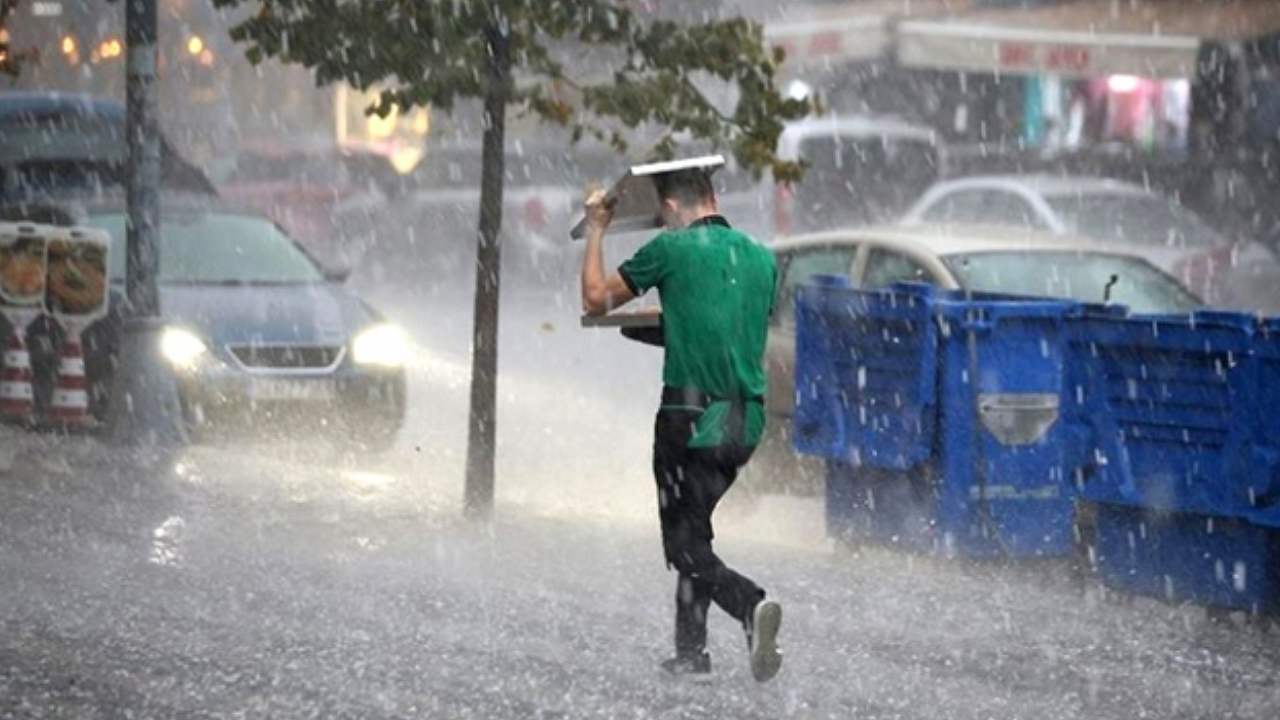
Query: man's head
point(685, 195)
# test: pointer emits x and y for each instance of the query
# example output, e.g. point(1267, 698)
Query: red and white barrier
point(17, 391)
point(61, 273)
point(69, 407)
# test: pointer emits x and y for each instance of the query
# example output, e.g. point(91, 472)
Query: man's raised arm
point(600, 293)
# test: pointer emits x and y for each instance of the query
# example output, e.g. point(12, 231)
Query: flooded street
point(293, 581)
point(252, 162)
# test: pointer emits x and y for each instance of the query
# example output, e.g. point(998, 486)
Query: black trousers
point(690, 483)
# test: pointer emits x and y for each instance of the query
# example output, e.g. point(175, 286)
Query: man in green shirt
point(716, 288)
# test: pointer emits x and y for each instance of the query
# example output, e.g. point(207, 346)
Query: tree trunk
point(144, 410)
point(482, 422)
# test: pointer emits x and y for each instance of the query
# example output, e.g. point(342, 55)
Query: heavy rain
point(1019, 457)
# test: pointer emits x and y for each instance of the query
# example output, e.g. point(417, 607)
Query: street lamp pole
point(144, 400)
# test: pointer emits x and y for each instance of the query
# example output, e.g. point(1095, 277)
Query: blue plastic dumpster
point(938, 414)
point(1265, 448)
point(866, 400)
point(1169, 401)
point(865, 376)
point(1173, 404)
point(1180, 557)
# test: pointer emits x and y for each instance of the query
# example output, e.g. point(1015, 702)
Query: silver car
point(1222, 270)
point(956, 257)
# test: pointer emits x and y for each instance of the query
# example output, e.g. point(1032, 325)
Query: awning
point(850, 31)
point(1150, 38)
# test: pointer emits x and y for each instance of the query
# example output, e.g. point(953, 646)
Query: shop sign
point(851, 38)
point(816, 45)
point(1035, 56)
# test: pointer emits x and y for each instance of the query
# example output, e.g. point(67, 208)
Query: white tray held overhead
point(635, 197)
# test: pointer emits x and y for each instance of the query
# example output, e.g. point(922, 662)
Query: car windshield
point(216, 248)
point(1078, 276)
point(1142, 219)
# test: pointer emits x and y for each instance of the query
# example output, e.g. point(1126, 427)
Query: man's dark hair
point(687, 187)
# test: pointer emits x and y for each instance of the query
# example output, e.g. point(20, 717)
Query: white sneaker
point(762, 637)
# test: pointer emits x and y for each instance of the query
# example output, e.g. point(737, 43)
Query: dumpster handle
point(979, 459)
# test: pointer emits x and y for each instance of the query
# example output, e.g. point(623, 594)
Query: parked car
point(260, 337)
point(327, 196)
point(860, 170)
point(1170, 235)
point(956, 257)
point(53, 143)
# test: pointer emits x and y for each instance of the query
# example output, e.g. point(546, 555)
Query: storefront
point(845, 50)
point(1181, 93)
point(1101, 71)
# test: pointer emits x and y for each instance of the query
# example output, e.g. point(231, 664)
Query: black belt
point(694, 397)
point(735, 421)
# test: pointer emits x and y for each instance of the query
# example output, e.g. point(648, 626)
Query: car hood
point(315, 314)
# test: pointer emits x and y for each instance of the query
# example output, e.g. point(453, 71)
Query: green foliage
point(592, 67)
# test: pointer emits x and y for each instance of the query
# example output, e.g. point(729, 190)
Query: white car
point(1220, 269)
point(860, 170)
point(956, 257)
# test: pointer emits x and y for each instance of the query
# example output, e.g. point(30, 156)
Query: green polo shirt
point(716, 288)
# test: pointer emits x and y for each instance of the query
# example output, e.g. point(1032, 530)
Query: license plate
point(46, 9)
point(292, 389)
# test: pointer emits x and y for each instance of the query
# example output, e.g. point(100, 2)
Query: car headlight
point(182, 348)
point(383, 345)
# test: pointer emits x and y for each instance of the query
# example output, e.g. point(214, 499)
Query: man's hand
point(599, 210)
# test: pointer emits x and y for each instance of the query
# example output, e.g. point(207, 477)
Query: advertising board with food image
point(76, 286)
point(22, 265)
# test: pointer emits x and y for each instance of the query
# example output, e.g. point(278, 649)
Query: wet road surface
point(295, 582)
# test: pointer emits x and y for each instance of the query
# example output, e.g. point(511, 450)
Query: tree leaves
point(593, 67)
